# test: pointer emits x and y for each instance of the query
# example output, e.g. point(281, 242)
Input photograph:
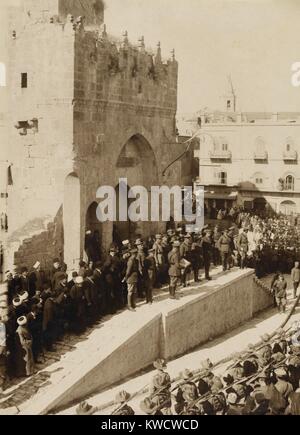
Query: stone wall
point(105, 358)
point(213, 314)
point(87, 97)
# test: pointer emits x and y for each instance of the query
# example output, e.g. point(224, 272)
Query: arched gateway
point(136, 163)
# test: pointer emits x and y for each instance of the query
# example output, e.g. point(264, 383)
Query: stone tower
point(91, 10)
point(85, 110)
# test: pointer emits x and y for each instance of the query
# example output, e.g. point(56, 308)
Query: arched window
point(260, 145)
point(289, 183)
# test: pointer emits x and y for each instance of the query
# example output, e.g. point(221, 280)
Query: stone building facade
point(248, 159)
point(85, 111)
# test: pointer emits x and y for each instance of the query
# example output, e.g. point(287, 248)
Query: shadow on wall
point(41, 246)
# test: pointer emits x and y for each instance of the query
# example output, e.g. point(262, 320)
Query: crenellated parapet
point(121, 69)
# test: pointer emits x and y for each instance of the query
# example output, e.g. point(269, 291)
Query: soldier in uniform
point(195, 258)
point(279, 289)
point(185, 253)
point(85, 409)
point(186, 395)
point(112, 276)
point(243, 246)
point(123, 409)
point(150, 278)
point(159, 257)
point(142, 270)
point(283, 385)
point(216, 251)
point(174, 269)
point(295, 276)
point(160, 387)
point(224, 248)
point(131, 278)
point(206, 246)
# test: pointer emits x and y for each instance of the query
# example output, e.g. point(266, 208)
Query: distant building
point(247, 159)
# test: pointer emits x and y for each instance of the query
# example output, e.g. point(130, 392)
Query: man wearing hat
point(91, 296)
point(85, 409)
point(141, 257)
point(123, 409)
point(267, 388)
point(49, 323)
point(295, 276)
point(235, 407)
point(159, 257)
point(187, 394)
point(79, 306)
point(56, 267)
point(112, 275)
point(160, 387)
point(243, 246)
point(196, 258)
point(174, 269)
point(24, 279)
point(24, 363)
point(150, 406)
point(185, 253)
point(36, 279)
point(283, 385)
point(279, 289)
point(224, 248)
point(131, 278)
point(150, 278)
point(206, 246)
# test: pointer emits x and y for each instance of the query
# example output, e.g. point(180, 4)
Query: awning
point(220, 195)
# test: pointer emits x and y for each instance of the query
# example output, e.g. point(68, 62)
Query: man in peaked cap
point(206, 246)
point(150, 278)
point(160, 386)
point(185, 253)
point(159, 258)
point(224, 248)
point(131, 278)
point(243, 246)
point(174, 269)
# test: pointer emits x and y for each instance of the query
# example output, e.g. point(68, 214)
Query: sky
point(254, 41)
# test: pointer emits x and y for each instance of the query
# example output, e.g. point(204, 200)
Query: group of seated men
point(262, 380)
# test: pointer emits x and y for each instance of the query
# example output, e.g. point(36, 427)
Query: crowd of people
point(44, 305)
point(262, 380)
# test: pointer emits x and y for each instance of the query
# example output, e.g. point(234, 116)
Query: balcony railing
point(220, 155)
point(261, 155)
point(290, 156)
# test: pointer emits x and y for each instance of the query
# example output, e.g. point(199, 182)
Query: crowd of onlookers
point(45, 304)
